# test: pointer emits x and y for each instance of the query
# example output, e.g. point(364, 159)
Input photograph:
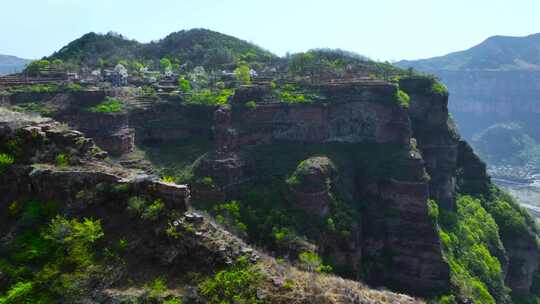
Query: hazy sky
point(380, 29)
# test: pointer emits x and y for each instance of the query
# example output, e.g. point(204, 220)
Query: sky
point(385, 30)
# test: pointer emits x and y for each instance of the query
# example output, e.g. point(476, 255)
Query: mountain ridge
point(195, 47)
point(496, 53)
point(11, 64)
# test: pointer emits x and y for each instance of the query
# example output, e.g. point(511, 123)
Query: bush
point(210, 98)
point(73, 87)
point(109, 105)
point(433, 210)
point(5, 162)
point(19, 293)
point(136, 205)
point(469, 237)
point(439, 89)
point(311, 261)
point(153, 211)
point(155, 289)
point(207, 181)
point(148, 91)
point(235, 285)
point(62, 160)
point(168, 179)
point(229, 215)
point(292, 97)
point(242, 74)
point(403, 98)
point(250, 104)
point(184, 85)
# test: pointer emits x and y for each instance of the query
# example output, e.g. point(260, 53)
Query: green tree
point(137, 66)
point(57, 63)
point(242, 73)
point(183, 84)
point(35, 67)
point(165, 64)
point(123, 62)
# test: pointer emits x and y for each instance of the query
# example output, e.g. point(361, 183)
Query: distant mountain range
point(495, 98)
point(12, 64)
point(497, 53)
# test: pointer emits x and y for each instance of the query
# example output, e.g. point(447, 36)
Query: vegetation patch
point(33, 107)
point(209, 97)
point(439, 89)
point(238, 284)
point(6, 160)
point(109, 105)
point(53, 259)
point(403, 98)
point(470, 237)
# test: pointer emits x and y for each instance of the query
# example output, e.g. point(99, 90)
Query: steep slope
point(334, 164)
point(78, 230)
point(495, 88)
point(194, 47)
point(11, 64)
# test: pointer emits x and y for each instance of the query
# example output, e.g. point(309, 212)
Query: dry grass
point(294, 287)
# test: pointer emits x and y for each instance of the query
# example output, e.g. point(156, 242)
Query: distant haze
point(11, 64)
point(384, 30)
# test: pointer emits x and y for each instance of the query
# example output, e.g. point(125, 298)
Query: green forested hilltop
point(194, 47)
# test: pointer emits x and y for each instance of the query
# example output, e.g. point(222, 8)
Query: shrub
point(136, 205)
point(173, 301)
point(311, 261)
point(229, 215)
point(122, 245)
point(62, 160)
point(237, 284)
point(468, 238)
point(184, 85)
point(292, 97)
point(207, 181)
point(433, 210)
point(148, 91)
point(156, 288)
point(153, 211)
point(20, 292)
point(74, 232)
point(168, 179)
point(109, 105)
point(5, 162)
point(439, 89)
point(242, 74)
point(210, 98)
point(73, 87)
point(403, 98)
point(250, 104)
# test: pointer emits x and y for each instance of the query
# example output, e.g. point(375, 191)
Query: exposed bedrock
point(310, 185)
point(397, 244)
point(436, 137)
point(110, 131)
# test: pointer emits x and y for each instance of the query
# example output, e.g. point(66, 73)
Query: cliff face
point(40, 193)
point(358, 165)
point(393, 188)
point(480, 99)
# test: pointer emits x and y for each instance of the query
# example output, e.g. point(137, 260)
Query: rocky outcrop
point(310, 185)
point(110, 131)
point(172, 244)
point(171, 121)
point(352, 113)
point(436, 137)
point(359, 116)
point(54, 163)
